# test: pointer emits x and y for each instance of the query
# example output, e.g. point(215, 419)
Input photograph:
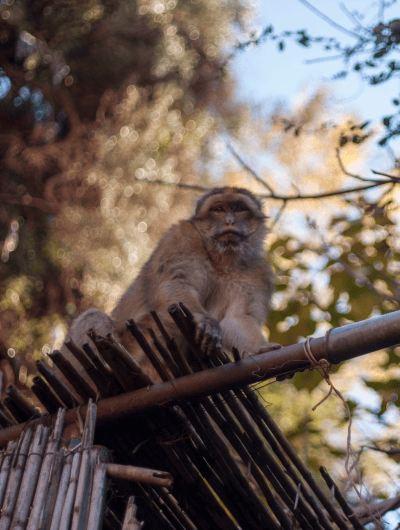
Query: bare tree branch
point(175, 184)
point(274, 196)
point(391, 177)
point(250, 170)
point(311, 196)
point(328, 20)
point(352, 174)
point(351, 16)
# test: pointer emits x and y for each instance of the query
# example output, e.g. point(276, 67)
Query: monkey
point(214, 263)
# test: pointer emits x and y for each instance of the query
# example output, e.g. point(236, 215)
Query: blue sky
point(264, 73)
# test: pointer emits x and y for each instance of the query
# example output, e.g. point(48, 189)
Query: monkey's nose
point(229, 219)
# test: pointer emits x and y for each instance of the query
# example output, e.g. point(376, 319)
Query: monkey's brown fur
point(214, 264)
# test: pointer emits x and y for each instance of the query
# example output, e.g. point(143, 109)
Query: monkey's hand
point(208, 333)
point(270, 346)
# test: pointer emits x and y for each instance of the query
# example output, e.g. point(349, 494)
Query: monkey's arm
point(180, 271)
point(247, 311)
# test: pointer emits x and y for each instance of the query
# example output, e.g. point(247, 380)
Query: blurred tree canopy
point(369, 48)
point(112, 114)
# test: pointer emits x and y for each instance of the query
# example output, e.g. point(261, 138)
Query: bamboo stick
point(49, 505)
point(109, 383)
point(96, 360)
point(43, 483)
point(176, 355)
point(166, 510)
point(19, 414)
point(166, 356)
point(45, 395)
point(93, 373)
point(4, 421)
point(68, 506)
point(290, 452)
point(80, 385)
point(351, 516)
point(203, 504)
point(60, 389)
point(127, 377)
point(147, 349)
point(139, 474)
point(81, 504)
point(5, 469)
point(184, 320)
point(130, 522)
point(130, 361)
point(248, 500)
point(80, 356)
point(236, 440)
point(176, 509)
point(7, 414)
point(62, 491)
point(21, 402)
point(30, 478)
point(306, 491)
point(14, 480)
point(111, 520)
point(97, 498)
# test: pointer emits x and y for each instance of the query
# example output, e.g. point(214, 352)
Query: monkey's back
point(180, 255)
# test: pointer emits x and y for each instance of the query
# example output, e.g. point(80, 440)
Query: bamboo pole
point(21, 402)
point(63, 392)
point(43, 482)
point(19, 414)
point(49, 505)
point(83, 484)
point(30, 478)
point(290, 452)
point(173, 505)
point(128, 377)
point(5, 469)
point(62, 491)
point(130, 522)
point(347, 510)
point(14, 480)
point(4, 421)
point(97, 499)
point(341, 344)
point(139, 474)
point(7, 414)
point(68, 505)
point(80, 385)
point(91, 370)
point(45, 395)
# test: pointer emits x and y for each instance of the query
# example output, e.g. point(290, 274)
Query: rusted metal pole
point(338, 345)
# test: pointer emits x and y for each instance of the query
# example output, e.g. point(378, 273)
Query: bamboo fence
point(232, 468)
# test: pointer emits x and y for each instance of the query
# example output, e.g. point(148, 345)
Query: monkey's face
point(231, 220)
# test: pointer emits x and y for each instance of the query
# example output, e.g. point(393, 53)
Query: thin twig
point(391, 177)
point(363, 179)
point(328, 20)
point(250, 170)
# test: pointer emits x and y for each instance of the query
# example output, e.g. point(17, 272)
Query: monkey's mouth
point(230, 236)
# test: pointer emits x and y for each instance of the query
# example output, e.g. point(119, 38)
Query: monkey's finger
point(200, 330)
point(270, 347)
point(208, 342)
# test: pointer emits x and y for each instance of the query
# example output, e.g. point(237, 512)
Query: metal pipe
point(338, 345)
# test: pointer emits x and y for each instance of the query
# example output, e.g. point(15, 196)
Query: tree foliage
point(113, 113)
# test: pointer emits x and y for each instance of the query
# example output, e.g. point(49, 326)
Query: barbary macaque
point(214, 263)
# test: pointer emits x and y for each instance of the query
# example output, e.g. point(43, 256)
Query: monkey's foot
point(208, 333)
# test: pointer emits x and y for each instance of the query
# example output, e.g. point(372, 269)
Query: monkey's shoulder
point(181, 240)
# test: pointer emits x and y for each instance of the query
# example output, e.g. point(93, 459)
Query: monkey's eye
point(240, 208)
point(219, 209)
